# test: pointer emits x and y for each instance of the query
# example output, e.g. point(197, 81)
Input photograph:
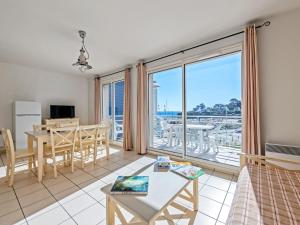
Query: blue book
point(131, 185)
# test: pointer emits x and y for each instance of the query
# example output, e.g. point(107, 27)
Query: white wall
point(91, 101)
point(279, 67)
point(24, 83)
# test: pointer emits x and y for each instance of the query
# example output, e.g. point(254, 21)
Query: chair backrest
point(63, 137)
point(102, 133)
point(40, 127)
point(88, 134)
point(8, 144)
point(106, 123)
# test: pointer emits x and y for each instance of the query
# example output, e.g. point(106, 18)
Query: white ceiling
point(43, 34)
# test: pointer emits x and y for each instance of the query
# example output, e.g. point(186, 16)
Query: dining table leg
point(30, 150)
point(40, 158)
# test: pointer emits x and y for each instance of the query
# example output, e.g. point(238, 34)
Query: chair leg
point(45, 166)
point(82, 158)
point(12, 174)
point(72, 162)
point(34, 163)
point(69, 158)
point(64, 158)
point(30, 163)
point(95, 154)
point(8, 171)
point(54, 165)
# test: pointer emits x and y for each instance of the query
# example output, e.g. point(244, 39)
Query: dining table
point(40, 138)
point(198, 128)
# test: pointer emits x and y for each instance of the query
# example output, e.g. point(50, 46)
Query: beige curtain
point(97, 100)
point(141, 109)
point(127, 141)
point(251, 120)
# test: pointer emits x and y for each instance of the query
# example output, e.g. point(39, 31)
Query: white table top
point(163, 187)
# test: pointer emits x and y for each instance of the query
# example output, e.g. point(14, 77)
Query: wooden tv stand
point(64, 122)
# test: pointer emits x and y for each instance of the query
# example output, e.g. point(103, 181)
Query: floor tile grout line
point(224, 199)
point(89, 173)
point(54, 199)
point(216, 219)
point(82, 189)
point(58, 202)
point(96, 203)
point(20, 205)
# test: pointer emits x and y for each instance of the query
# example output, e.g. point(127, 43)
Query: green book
point(189, 171)
point(131, 185)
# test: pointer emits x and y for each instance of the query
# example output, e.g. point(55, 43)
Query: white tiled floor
point(75, 198)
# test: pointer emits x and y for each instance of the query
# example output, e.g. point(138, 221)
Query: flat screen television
point(62, 111)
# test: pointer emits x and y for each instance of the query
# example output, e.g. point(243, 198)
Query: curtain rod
point(98, 77)
point(265, 24)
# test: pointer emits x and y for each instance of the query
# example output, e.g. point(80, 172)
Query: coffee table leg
point(195, 194)
point(110, 211)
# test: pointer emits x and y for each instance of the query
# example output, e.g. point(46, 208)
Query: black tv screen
point(62, 111)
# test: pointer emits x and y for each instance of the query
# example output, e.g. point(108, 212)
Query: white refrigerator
point(25, 115)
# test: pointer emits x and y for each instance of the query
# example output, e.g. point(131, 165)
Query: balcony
point(213, 138)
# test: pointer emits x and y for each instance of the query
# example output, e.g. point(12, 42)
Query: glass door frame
point(110, 80)
point(182, 63)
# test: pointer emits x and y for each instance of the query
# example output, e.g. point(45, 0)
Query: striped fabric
point(268, 196)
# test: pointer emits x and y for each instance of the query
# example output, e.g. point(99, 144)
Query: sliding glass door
point(213, 109)
point(195, 109)
point(112, 108)
point(165, 114)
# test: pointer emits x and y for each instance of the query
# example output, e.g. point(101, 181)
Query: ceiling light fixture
point(82, 63)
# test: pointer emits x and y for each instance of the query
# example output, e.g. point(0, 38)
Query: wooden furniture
point(13, 156)
point(265, 193)
point(163, 188)
point(67, 122)
point(102, 139)
point(41, 137)
point(87, 141)
point(62, 141)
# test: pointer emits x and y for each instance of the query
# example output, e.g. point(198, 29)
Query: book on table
point(131, 185)
point(175, 165)
point(188, 171)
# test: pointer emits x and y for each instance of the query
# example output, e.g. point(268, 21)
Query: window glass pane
point(165, 110)
point(118, 120)
point(213, 104)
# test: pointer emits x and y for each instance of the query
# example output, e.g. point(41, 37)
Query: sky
point(212, 81)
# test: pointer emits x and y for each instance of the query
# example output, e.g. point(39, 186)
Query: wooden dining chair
point(13, 156)
point(102, 141)
point(62, 141)
point(86, 141)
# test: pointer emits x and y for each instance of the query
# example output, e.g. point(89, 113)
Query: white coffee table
point(163, 188)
